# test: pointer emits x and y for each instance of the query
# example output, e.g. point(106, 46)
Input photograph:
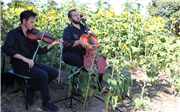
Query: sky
point(116, 4)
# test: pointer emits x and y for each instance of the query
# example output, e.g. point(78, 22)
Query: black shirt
point(70, 35)
point(17, 43)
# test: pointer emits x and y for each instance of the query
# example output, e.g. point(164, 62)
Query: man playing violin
point(21, 50)
point(72, 54)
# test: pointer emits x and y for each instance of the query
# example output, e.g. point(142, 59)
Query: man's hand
point(29, 61)
point(59, 41)
point(91, 32)
point(84, 44)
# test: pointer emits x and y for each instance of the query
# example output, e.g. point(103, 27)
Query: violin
point(88, 53)
point(48, 38)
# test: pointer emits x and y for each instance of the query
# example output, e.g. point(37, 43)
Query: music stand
point(71, 96)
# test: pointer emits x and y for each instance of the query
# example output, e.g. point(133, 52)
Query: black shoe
point(77, 93)
point(31, 94)
point(50, 107)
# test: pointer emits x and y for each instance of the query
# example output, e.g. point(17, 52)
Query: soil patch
point(161, 97)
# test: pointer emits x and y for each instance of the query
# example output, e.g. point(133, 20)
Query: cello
point(89, 54)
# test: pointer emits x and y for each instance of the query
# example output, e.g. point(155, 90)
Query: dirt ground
point(161, 97)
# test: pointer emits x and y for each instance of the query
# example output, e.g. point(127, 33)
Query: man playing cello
point(72, 54)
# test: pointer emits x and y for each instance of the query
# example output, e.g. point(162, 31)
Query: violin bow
point(106, 42)
point(39, 45)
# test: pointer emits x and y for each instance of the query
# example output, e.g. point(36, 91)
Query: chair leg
point(26, 93)
point(100, 81)
point(100, 86)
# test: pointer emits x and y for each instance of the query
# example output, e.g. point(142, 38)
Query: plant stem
point(88, 85)
point(142, 92)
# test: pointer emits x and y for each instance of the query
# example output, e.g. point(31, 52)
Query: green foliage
point(118, 83)
point(139, 101)
point(141, 104)
point(20, 4)
point(1, 8)
point(5, 25)
point(176, 83)
point(145, 40)
point(153, 71)
point(52, 5)
point(89, 78)
point(168, 9)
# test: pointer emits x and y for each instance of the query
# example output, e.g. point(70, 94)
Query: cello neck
point(90, 38)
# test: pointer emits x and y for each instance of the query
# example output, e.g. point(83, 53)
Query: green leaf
point(115, 98)
point(172, 71)
point(77, 79)
point(140, 84)
point(138, 102)
point(96, 75)
point(142, 61)
point(153, 66)
point(95, 79)
point(129, 92)
point(127, 67)
point(162, 53)
point(135, 49)
point(148, 74)
point(155, 81)
point(147, 98)
point(49, 63)
point(102, 90)
point(106, 76)
point(120, 98)
point(68, 74)
point(91, 92)
point(112, 83)
point(136, 96)
point(155, 74)
point(174, 78)
point(90, 71)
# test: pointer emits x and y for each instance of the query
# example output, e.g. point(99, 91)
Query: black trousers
point(75, 59)
point(43, 73)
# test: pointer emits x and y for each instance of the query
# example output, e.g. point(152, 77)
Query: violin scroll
point(66, 44)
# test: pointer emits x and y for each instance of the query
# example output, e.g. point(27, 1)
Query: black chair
point(27, 81)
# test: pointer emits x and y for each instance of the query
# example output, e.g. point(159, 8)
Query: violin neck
point(50, 37)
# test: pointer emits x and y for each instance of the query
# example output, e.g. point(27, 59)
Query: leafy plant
point(118, 83)
point(139, 101)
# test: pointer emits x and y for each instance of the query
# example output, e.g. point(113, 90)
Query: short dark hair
point(69, 13)
point(26, 14)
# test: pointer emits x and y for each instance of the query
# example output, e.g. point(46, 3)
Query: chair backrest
point(61, 48)
point(7, 78)
point(3, 59)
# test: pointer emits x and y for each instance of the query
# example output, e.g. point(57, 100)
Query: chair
point(71, 97)
point(25, 79)
point(61, 48)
